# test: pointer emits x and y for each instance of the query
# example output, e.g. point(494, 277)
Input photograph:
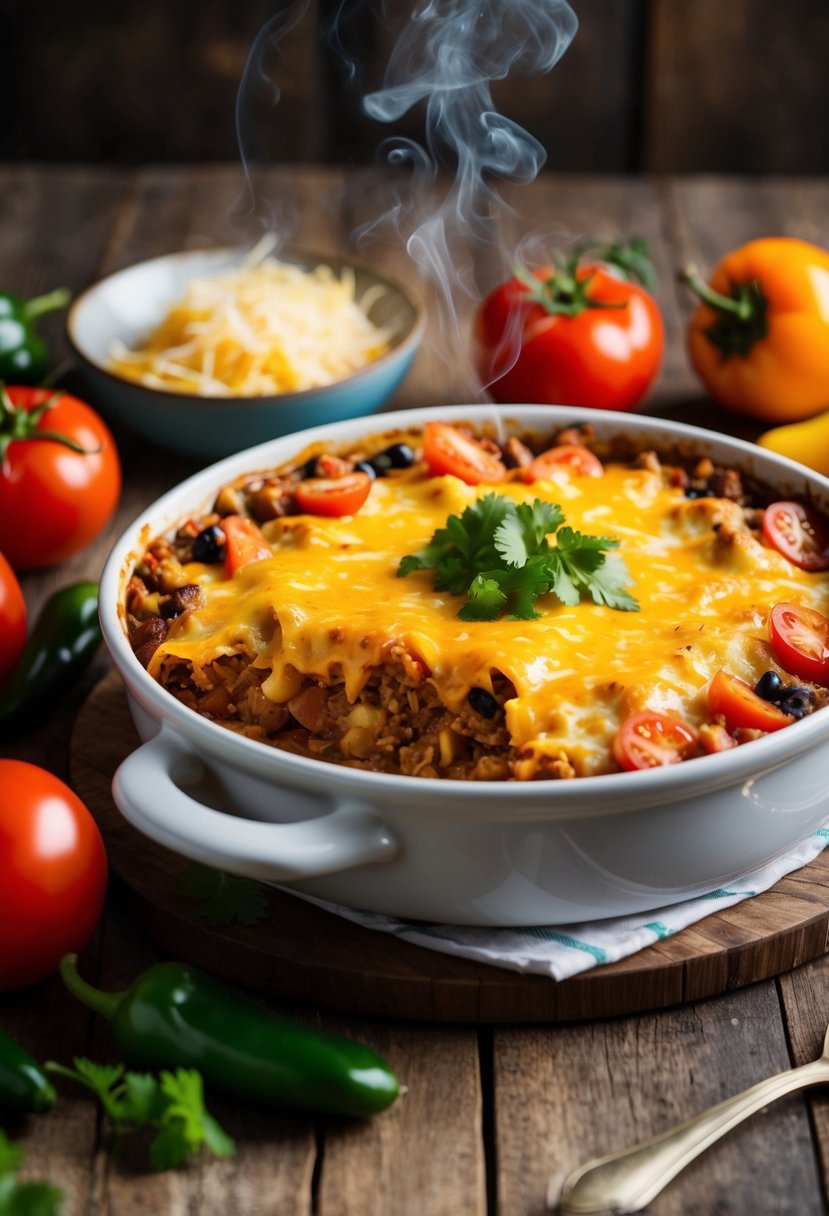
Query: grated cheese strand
point(264, 328)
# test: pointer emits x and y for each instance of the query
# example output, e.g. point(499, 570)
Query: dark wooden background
point(647, 86)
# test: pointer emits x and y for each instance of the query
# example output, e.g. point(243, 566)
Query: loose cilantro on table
point(224, 899)
point(23, 1198)
point(172, 1104)
point(499, 555)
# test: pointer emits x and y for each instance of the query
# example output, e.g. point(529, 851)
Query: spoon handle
point(627, 1181)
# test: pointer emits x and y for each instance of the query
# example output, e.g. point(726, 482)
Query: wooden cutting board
point(301, 953)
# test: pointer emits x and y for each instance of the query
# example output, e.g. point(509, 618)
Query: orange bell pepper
point(759, 338)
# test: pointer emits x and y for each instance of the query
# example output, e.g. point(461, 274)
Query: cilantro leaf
point(538, 521)
point(510, 541)
point(143, 1101)
point(499, 555)
point(172, 1104)
point(223, 898)
point(485, 600)
point(102, 1079)
point(23, 1198)
point(10, 1155)
point(607, 586)
point(29, 1198)
point(185, 1124)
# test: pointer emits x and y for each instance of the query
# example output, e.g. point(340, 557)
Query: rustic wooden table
point(490, 1114)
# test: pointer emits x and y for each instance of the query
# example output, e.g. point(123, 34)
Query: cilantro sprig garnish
point(23, 1198)
point(499, 555)
point(172, 1104)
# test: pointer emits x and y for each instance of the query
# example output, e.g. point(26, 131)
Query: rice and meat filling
point(314, 645)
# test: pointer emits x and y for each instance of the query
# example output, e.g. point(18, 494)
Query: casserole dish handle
point(147, 791)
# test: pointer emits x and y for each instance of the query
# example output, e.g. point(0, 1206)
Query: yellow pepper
point(806, 442)
point(759, 338)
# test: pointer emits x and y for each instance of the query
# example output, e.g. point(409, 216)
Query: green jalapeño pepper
point(65, 637)
point(174, 1016)
point(24, 358)
point(23, 1084)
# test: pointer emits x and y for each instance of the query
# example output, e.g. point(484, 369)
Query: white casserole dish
point(485, 853)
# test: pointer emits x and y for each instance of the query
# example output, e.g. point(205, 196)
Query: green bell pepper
point(174, 1016)
point(24, 358)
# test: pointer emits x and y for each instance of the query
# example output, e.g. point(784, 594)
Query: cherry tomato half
point(800, 533)
point(800, 641)
point(53, 873)
point(333, 496)
point(12, 620)
point(245, 543)
point(570, 457)
point(738, 704)
point(651, 740)
point(448, 450)
point(54, 500)
point(606, 356)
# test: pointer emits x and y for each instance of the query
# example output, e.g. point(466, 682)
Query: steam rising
point(447, 57)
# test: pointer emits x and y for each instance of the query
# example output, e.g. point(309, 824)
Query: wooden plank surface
point(654, 84)
point(486, 1122)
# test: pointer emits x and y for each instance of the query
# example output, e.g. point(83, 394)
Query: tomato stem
point(18, 423)
point(104, 1003)
point(563, 293)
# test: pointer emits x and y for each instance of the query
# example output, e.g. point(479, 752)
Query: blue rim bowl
point(127, 305)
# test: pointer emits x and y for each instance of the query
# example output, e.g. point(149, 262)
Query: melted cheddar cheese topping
point(328, 604)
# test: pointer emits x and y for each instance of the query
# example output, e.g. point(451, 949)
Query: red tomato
point(54, 500)
point(12, 620)
point(651, 740)
point(606, 357)
point(245, 543)
point(448, 450)
point(738, 704)
point(800, 533)
point(800, 640)
point(572, 457)
point(333, 497)
point(53, 873)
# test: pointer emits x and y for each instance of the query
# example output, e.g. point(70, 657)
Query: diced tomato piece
point(800, 640)
point(651, 740)
point(333, 497)
point(736, 702)
point(568, 457)
point(448, 450)
point(800, 533)
point(245, 543)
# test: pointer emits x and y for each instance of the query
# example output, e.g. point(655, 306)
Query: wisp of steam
point(448, 55)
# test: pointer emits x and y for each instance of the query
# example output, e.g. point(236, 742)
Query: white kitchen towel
point(564, 951)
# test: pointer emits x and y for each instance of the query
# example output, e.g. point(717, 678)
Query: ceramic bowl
point(487, 853)
point(129, 304)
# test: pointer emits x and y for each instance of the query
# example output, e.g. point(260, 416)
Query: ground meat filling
point(397, 723)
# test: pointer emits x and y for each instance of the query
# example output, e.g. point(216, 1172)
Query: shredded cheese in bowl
point(260, 329)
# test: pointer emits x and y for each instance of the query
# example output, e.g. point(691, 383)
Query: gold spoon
point(627, 1181)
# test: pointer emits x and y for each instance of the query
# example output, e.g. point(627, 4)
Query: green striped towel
point(562, 951)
